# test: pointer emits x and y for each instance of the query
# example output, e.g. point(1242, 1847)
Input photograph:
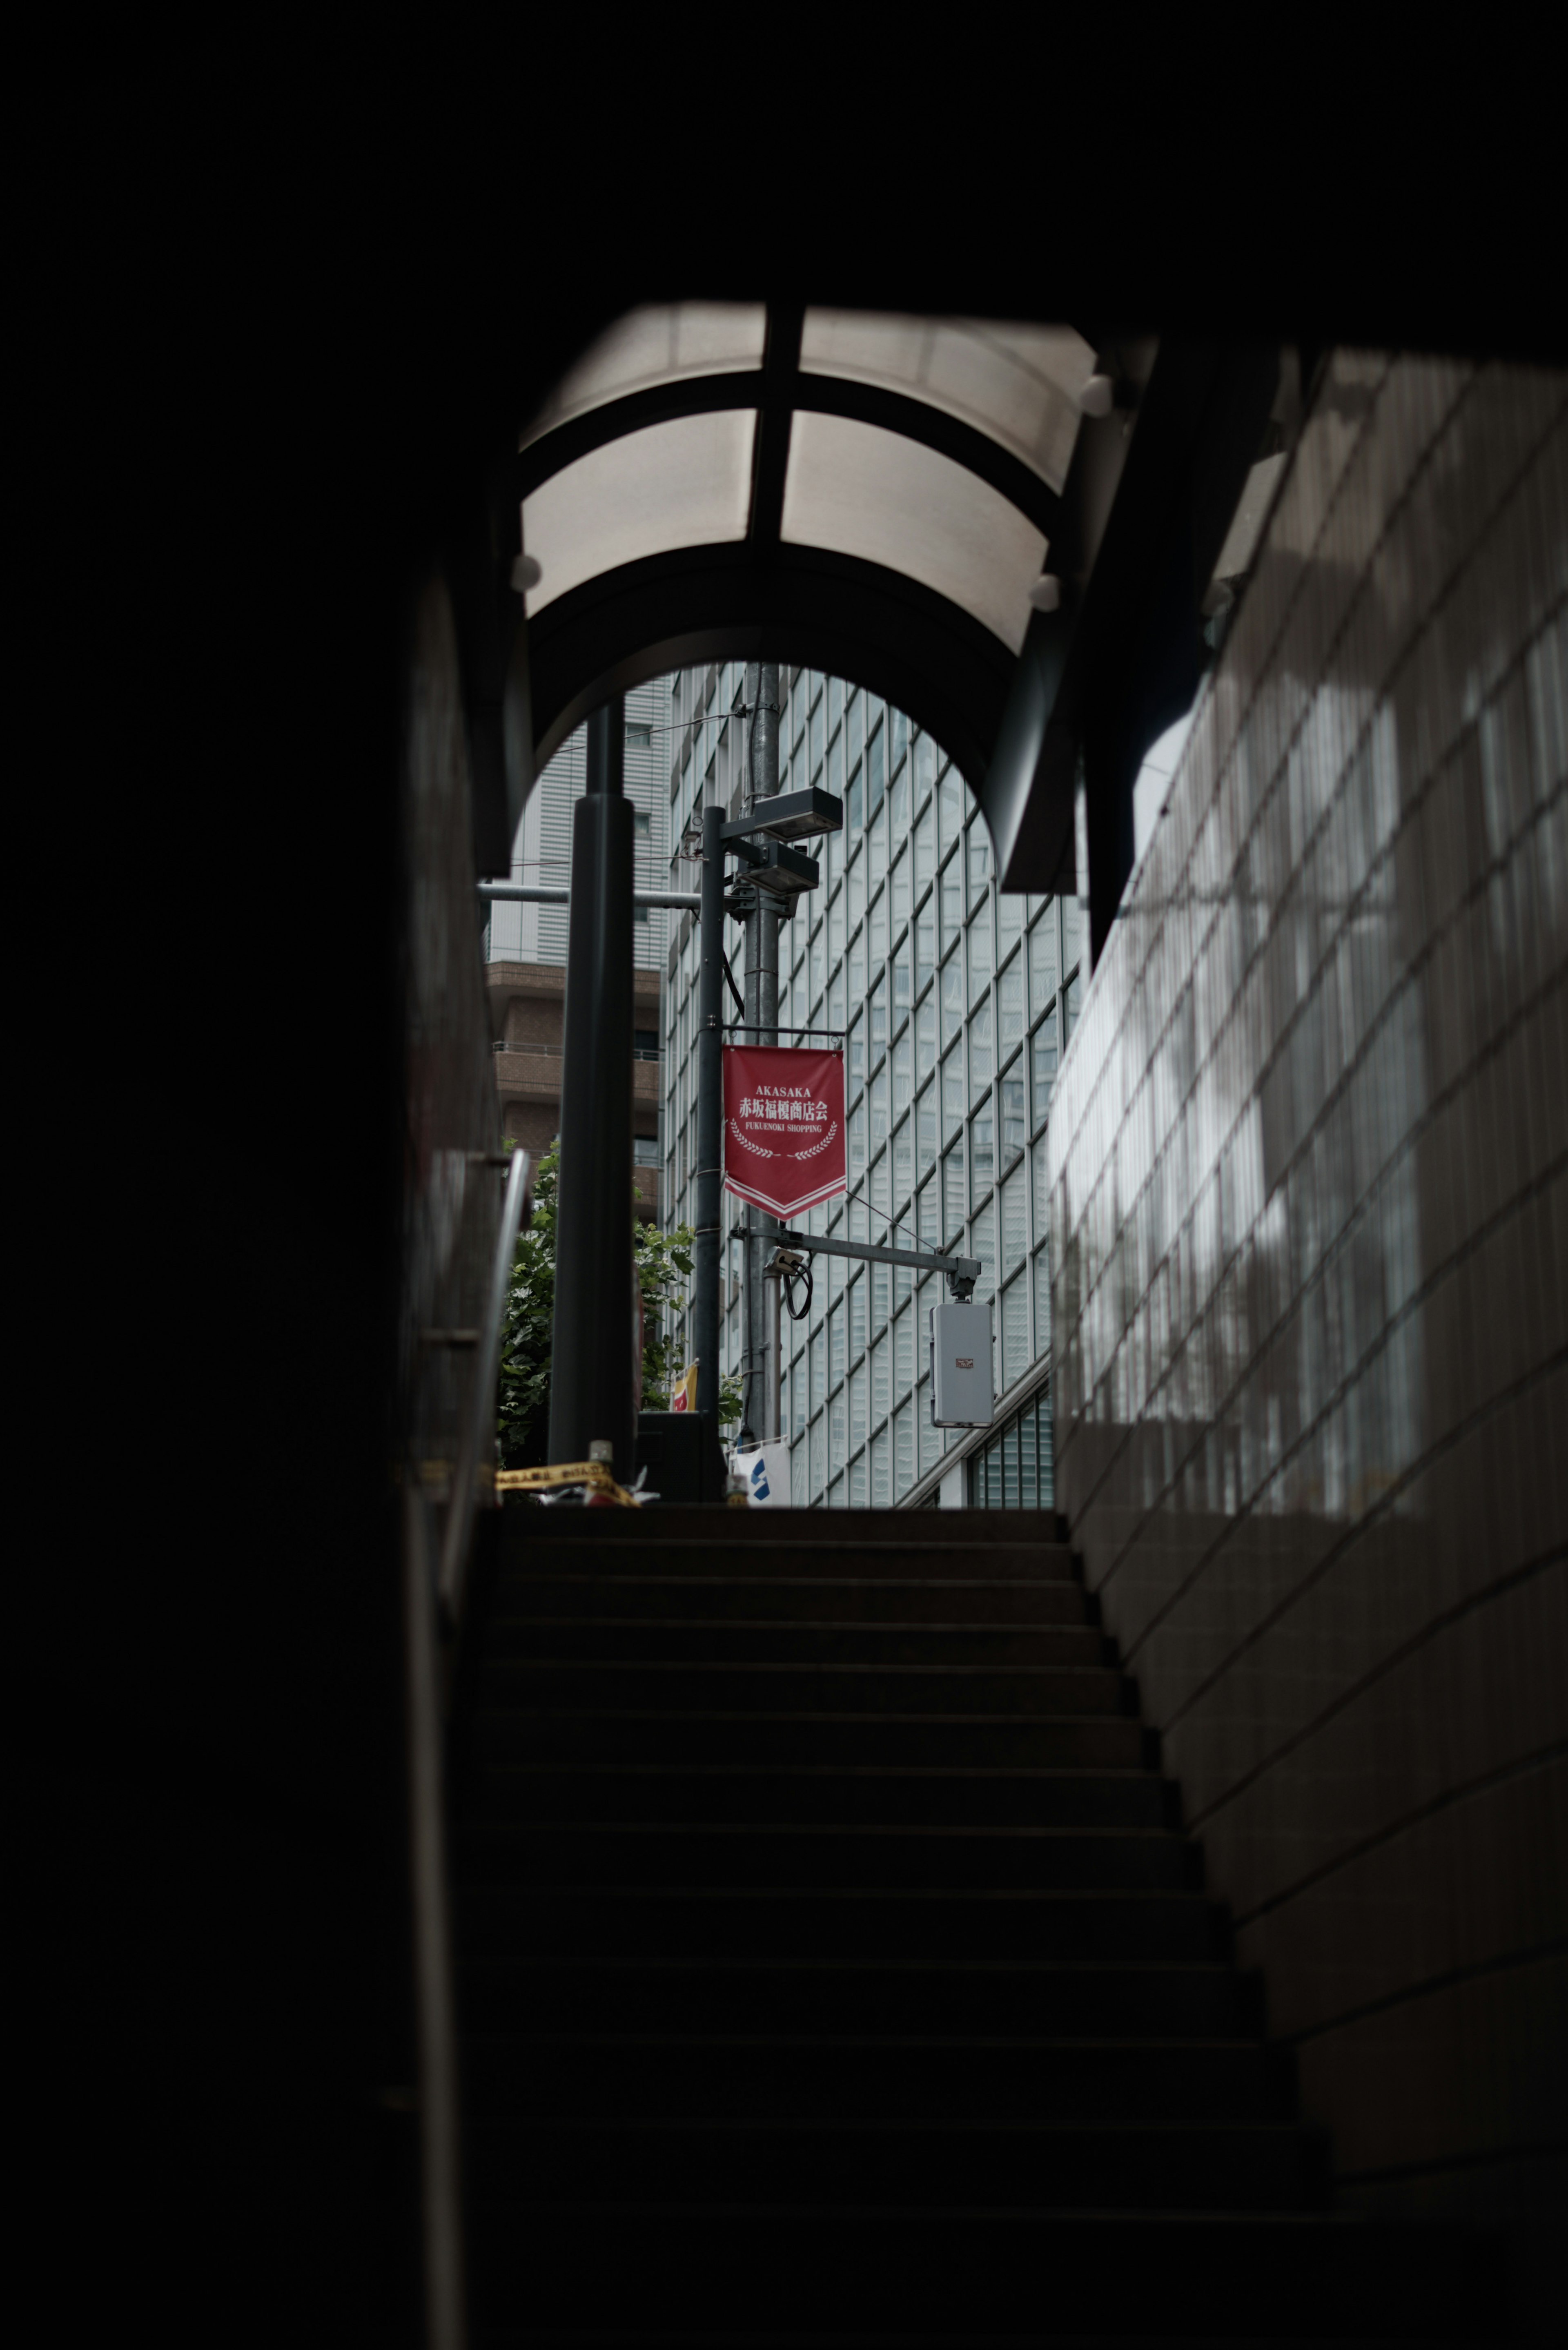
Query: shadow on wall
point(1309, 1203)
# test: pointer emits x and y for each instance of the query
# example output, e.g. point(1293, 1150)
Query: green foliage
point(663, 1262)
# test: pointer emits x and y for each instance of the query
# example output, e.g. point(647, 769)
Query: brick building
point(527, 1003)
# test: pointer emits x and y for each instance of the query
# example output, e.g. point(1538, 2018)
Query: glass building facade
point(954, 1002)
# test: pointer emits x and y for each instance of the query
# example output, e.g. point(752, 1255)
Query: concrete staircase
point(833, 1965)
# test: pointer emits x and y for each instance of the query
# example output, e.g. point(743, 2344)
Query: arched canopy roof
point(870, 493)
point(877, 495)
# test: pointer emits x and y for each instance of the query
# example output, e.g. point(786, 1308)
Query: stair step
point(842, 1798)
point(1202, 1998)
point(1255, 2165)
point(558, 1640)
point(803, 1557)
point(752, 1734)
point(806, 1599)
point(917, 1690)
point(505, 1921)
point(957, 2277)
point(624, 2077)
point(737, 1533)
point(840, 1859)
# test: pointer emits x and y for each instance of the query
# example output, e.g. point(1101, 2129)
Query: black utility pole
point(759, 1400)
point(593, 1373)
point(709, 1118)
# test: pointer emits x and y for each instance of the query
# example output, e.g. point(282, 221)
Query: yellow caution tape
point(568, 1472)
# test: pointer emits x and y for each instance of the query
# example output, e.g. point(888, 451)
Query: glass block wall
point(1309, 1184)
point(1014, 1470)
point(955, 1003)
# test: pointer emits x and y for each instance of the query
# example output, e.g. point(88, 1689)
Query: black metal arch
point(832, 612)
point(788, 389)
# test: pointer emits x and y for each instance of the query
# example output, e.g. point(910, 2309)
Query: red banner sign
point(784, 1127)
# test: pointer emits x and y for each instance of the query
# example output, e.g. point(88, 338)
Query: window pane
point(925, 1133)
point(797, 1471)
point(951, 890)
point(835, 1360)
point(881, 1495)
point(1072, 1001)
point(929, 1212)
point(1010, 1008)
point(979, 953)
point(901, 977)
point(1016, 1356)
point(979, 854)
point(1042, 1304)
point(1009, 1449)
point(818, 1459)
point(955, 1099)
point(926, 848)
point(853, 727)
point(980, 1063)
point(904, 1352)
point(877, 1097)
point(1044, 1446)
point(857, 1483)
point(836, 1430)
point(1043, 1058)
point(953, 998)
point(878, 1188)
point(904, 1451)
point(857, 1395)
point(880, 1288)
point(1072, 928)
point(928, 1438)
point(818, 1371)
point(902, 1063)
point(856, 1123)
point(925, 946)
point(903, 1162)
point(1013, 1130)
point(875, 773)
point(882, 1378)
point(1014, 1220)
point(983, 1244)
point(1028, 1480)
point(901, 886)
point(983, 1154)
point(950, 798)
point(878, 1015)
point(856, 1303)
point(956, 1190)
point(1009, 923)
point(1042, 959)
point(925, 1041)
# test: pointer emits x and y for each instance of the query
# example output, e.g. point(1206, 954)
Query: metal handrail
point(472, 1448)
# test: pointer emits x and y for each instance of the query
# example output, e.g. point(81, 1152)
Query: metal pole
point(709, 1120)
point(760, 1411)
point(591, 1370)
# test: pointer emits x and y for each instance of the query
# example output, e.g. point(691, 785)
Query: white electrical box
point(960, 1365)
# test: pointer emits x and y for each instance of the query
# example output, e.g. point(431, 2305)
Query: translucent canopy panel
point(1020, 385)
point(687, 483)
point(857, 489)
point(656, 346)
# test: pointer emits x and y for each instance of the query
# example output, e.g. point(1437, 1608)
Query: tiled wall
point(1308, 1170)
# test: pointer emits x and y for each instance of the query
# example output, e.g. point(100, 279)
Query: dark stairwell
point(833, 1965)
